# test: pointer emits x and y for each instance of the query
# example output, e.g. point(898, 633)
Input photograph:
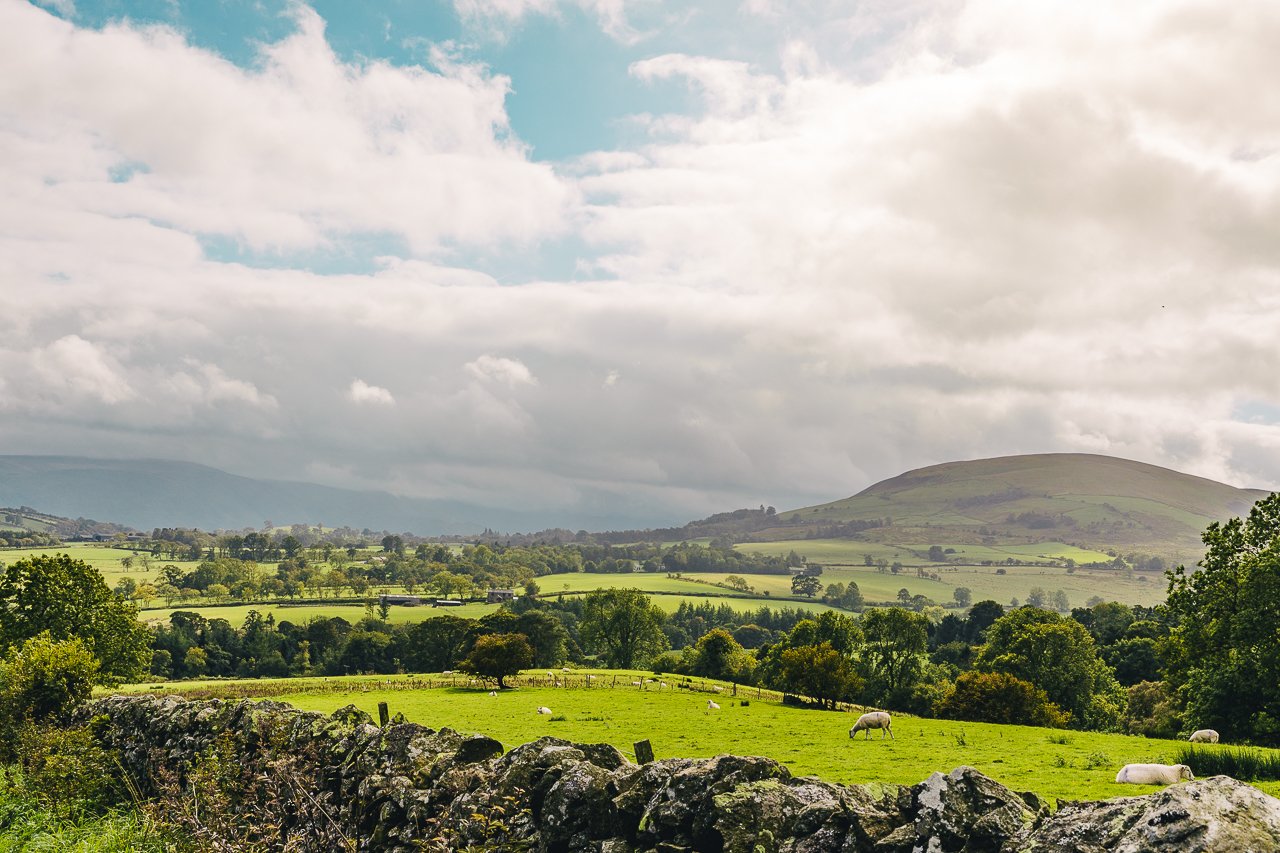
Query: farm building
point(498, 596)
point(402, 600)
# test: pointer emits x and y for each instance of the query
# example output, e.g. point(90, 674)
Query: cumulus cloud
point(505, 371)
point(298, 151)
point(363, 393)
point(1017, 232)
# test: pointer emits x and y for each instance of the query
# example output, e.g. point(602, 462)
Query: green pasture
point(1052, 763)
point(574, 582)
point(853, 551)
point(105, 559)
point(297, 614)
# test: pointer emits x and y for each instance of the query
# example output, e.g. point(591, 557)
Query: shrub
point(996, 697)
point(40, 682)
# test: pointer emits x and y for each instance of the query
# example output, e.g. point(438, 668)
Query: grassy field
point(1052, 763)
point(353, 613)
point(105, 559)
point(843, 559)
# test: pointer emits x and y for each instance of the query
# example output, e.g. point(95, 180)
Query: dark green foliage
point(41, 682)
point(68, 598)
point(995, 697)
point(718, 655)
point(1060, 657)
point(819, 672)
point(1151, 710)
point(496, 656)
point(623, 626)
point(1226, 650)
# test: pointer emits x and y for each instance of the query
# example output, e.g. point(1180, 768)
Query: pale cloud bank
point(1024, 232)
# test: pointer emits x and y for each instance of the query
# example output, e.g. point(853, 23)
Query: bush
point(40, 682)
point(996, 697)
point(65, 771)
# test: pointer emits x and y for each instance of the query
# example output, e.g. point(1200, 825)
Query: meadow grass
point(1050, 762)
point(1241, 762)
point(25, 826)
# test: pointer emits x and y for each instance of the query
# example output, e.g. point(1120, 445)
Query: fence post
point(383, 715)
point(644, 752)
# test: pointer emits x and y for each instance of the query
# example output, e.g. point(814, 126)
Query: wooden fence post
point(644, 752)
point(383, 715)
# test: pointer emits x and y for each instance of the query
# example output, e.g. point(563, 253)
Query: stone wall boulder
point(307, 781)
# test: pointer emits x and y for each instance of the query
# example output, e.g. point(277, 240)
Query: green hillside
point(1098, 503)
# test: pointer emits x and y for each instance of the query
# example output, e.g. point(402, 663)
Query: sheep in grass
point(1154, 774)
point(874, 720)
point(543, 709)
point(1204, 736)
point(493, 693)
point(712, 706)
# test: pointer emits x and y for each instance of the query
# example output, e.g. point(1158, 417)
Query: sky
point(640, 259)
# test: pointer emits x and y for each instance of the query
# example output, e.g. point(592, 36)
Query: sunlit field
point(1050, 762)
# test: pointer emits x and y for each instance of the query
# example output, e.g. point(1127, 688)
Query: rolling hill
point(149, 493)
point(1096, 502)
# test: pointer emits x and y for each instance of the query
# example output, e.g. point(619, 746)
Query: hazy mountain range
point(1091, 500)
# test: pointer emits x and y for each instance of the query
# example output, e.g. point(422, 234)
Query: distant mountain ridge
point(1092, 500)
point(150, 493)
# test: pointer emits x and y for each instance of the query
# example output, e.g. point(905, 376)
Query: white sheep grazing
point(543, 709)
point(1154, 774)
point(635, 684)
point(874, 720)
point(493, 693)
point(1204, 736)
point(712, 706)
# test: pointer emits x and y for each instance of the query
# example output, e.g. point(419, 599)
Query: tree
point(1037, 597)
point(623, 625)
point(997, 697)
point(819, 672)
point(936, 554)
point(718, 655)
point(69, 599)
point(497, 656)
point(963, 595)
point(1060, 657)
point(809, 585)
point(1226, 649)
point(896, 641)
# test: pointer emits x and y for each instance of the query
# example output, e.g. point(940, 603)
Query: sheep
point(712, 706)
point(1154, 774)
point(874, 720)
point(635, 684)
point(1204, 736)
point(493, 693)
point(543, 709)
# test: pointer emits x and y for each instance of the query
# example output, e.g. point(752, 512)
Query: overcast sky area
point(643, 258)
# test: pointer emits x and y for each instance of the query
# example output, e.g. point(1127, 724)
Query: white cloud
point(301, 150)
point(78, 368)
point(363, 393)
point(505, 371)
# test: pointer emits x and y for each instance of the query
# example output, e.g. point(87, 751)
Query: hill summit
point(1094, 501)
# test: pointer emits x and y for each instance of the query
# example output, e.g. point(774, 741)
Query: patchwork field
point(843, 562)
point(1049, 762)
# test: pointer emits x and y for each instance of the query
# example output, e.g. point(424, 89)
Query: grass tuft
point(1237, 762)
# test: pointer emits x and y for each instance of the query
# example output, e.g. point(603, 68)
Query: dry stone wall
point(314, 782)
